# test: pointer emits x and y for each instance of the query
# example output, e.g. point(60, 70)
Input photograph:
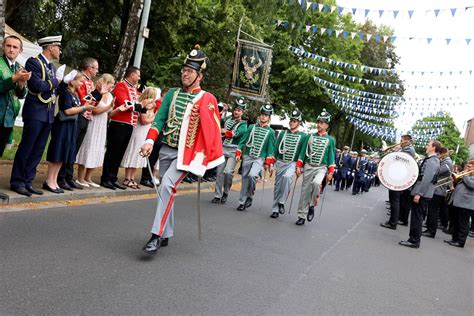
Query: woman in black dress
point(62, 146)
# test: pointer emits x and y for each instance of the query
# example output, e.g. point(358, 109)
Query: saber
point(153, 180)
point(293, 194)
point(322, 205)
point(263, 189)
point(199, 208)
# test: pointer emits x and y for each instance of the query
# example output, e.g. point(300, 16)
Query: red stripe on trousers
point(174, 189)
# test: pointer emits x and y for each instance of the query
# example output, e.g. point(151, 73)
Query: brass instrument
point(388, 149)
point(454, 178)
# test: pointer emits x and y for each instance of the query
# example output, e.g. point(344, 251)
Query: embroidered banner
point(251, 70)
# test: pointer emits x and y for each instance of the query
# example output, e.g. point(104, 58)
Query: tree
point(129, 39)
point(450, 138)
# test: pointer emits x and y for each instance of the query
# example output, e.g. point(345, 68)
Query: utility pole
point(142, 34)
point(353, 135)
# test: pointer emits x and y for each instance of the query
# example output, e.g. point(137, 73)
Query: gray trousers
point(170, 178)
point(225, 172)
point(251, 168)
point(284, 174)
point(312, 178)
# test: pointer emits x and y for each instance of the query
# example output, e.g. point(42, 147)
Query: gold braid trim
point(193, 126)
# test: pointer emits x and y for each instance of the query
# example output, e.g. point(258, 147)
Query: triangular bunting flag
point(308, 27)
point(436, 12)
point(330, 32)
point(326, 8)
point(380, 13)
point(448, 40)
point(429, 40)
point(468, 40)
point(385, 38)
point(354, 10)
point(333, 8)
point(338, 32)
point(369, 36)
point(453, 11)
point(322, 30)
point(308, 4)
point(361, 35)
point(320, 6)
point(339, 10)
point(395, 13)
point(410, 13)
point(393, 39)
point(353, 34)
point(366, 12)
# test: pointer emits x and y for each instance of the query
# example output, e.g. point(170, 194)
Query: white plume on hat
point(70, 76)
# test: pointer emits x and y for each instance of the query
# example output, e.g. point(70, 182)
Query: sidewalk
point(80, 196)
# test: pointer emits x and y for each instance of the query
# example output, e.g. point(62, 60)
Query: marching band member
point(438, 204)
point(422, 192)
point(288, 149)
point(317, 161)
point(233, 131)
point(462, 202)
point(257, 146)
point(189, 119)
point(343, 162)
point(351, 171)
point(360, 172)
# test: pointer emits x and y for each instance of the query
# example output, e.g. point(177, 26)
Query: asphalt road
point(87, 260)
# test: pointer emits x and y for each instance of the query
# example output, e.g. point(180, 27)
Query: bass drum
point(397, 171)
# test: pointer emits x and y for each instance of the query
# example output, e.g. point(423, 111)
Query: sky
point(417, 55)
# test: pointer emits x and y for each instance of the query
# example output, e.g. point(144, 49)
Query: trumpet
point(387, 149)
point(454, 178)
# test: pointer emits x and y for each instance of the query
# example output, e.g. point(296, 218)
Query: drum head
point(397, 171)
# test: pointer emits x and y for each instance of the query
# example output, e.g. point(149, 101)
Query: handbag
point(63, 117)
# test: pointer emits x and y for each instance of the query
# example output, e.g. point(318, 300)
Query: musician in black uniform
point(438, 207)
point(422, 192)
point(462, 203)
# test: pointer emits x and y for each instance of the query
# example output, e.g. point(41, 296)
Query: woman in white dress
point(132, 159)
point(91, 153)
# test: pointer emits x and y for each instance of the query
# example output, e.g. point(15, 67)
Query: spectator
point(38, 115)
point(89, 68)
point(92, 151)
point(12, 87)
point(62, 146)
point(132, 160)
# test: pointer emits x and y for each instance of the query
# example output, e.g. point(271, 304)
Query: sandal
point(132, 184)
point(126, 182)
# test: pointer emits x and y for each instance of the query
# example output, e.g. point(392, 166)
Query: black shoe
point(310, 215)
point(336, 190)
point(216, 200)
point(147, 183)
point(428, 234)
point(281, 208)
point(48, 188)
point(241, 207)
point(300, 222)
point(74, 185)
point(274, 215)
point(34, 191)
point(448, 231)
point(65, 186)
point(224, 198)
point(187, 179)
point(3, 196)
point(471, 234)
point(164, 242)
point(409, 244)
point(388, 225)
point(108, 185)
point(449, 240)
point(21, 190)
point(402, 223)
point(118, 185)
point(248, 203)
point(456, 244)
point(152, 245)
point(353, 193)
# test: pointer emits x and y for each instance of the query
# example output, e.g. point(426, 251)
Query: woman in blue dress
point(62, 146)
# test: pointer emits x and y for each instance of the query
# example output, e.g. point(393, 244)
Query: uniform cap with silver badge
point(266, 109)
point(50, 40)
point(240, 103)
point(324, 116)
point(297, 115)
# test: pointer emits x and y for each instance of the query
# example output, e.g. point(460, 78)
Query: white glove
point(60, 72)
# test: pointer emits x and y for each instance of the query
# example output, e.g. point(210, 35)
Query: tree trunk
point(129, 39)
point(2, 21)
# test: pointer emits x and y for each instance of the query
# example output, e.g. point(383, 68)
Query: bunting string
point(325, 8)
point(367, 36)
point(375, 70)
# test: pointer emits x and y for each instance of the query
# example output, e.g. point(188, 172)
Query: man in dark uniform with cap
point(343, 162)
point(359, 178)
point(189, 121)
point(38, 115)
point(233, 130)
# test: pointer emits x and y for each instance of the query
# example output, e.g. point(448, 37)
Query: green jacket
point(289, 145)
point(8, 112)
point(318, 150)
point(258, 142)
point(238, 132)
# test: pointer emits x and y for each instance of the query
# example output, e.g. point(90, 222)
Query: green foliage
point(451, 137)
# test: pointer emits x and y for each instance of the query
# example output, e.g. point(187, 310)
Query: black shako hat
point(197, 60)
